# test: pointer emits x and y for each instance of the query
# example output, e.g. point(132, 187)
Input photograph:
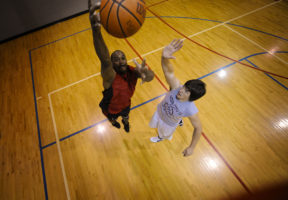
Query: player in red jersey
point(119, 79)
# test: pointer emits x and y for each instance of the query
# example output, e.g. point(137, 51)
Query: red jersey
point(118, 96)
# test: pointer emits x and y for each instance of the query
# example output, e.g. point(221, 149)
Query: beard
point(122, 69)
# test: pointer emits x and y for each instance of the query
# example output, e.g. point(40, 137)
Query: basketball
point(122, 18)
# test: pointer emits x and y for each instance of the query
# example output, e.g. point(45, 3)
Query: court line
point(269, 75)
point(84, 79)
point(227, 164)
point(59, 150)
point(252, 29)
point(59, 39)
point(253, 42)
point(100, 122)
point(38, 129)
point(81, 80)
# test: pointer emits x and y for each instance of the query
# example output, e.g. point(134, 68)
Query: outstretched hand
point(188, 151)
point(94, 17)
point(174, 46)
point(142, 69)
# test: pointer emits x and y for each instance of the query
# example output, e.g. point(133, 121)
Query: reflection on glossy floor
point(243, 148)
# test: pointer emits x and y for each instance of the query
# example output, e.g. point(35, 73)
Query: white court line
point(50, 102)
point(59, 149)
point(271, 53)
point(84, 79)
point(74, 83)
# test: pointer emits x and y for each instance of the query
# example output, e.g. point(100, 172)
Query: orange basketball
point(122, 18)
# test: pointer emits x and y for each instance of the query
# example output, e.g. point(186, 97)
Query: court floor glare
point(243, 148)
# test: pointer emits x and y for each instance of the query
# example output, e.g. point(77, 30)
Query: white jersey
point(171, 110)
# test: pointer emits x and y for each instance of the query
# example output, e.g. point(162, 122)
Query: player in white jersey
point(178, 103)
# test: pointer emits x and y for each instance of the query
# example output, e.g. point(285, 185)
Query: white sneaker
point(155, 139)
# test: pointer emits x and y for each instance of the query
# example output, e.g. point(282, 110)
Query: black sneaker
point(181, 123)
point(116, 124)
point(126, 126)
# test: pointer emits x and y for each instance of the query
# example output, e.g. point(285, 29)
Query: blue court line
point(245, 58)
point(268, 75)
point(38, 129)
point(256, 54)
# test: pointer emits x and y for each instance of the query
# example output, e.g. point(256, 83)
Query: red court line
point(211, 49)
point(227, 164)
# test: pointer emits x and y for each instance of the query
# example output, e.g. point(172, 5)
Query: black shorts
point(123, 113)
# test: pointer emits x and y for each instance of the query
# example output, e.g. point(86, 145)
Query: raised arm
point(107, 71)
point(167, 67)
point(196, 123)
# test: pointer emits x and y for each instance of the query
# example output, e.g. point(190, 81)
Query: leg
point(164, 130)
point(125, 121)
point(125, 118)
point(112, 119)
point(154, 124)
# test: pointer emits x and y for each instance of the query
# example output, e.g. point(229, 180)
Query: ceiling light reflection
point(212, 164)
point(101, 129)
point(273, 50)
point(222, 73)
point(283, 123)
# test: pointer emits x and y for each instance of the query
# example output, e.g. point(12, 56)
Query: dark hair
point(196, 87)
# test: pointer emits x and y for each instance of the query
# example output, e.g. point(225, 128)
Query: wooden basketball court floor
point(56, 143)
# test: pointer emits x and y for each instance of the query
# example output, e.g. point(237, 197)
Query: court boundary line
point(35, 101)
point(38, 128)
